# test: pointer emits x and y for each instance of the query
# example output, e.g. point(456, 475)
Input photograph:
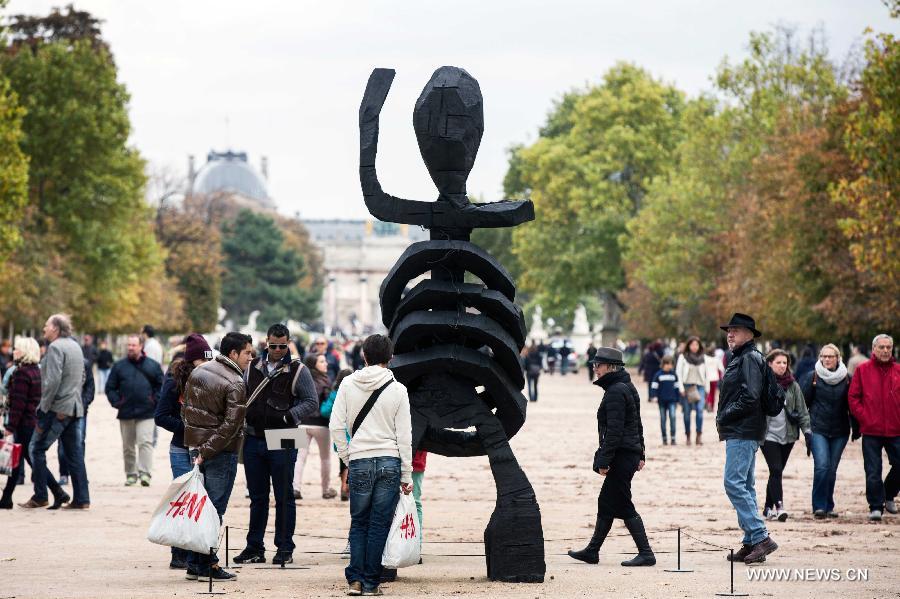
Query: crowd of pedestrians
point(217, 405)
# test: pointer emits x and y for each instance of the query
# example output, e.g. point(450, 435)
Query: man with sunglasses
point(288, 395)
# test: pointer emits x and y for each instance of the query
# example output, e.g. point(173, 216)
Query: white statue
point(537, 332)
point(581, 326)
point(250, 327)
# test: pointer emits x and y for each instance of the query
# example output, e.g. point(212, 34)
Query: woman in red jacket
point(24, 397)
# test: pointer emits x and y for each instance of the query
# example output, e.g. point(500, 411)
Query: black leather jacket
point(740, 414)
point(618, 419)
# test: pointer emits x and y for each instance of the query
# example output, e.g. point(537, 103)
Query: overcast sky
point(284, 79)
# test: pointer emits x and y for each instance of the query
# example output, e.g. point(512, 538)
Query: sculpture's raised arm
point(440, 214)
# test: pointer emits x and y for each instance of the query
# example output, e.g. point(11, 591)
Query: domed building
point(356, 254)
point(230, 173)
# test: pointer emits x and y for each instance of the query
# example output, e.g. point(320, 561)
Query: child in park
point(667, 390)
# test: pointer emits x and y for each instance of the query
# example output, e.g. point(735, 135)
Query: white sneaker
point(782, 516)
point(891, 506)
point(875, 515)
point(769, 513)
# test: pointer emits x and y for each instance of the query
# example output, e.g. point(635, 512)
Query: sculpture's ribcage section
point(473, 331)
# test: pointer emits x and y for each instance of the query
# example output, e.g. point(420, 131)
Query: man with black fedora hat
point(741, 422)
point(620, 456)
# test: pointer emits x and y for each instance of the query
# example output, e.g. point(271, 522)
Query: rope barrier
point(455, 542)
point(705, 542)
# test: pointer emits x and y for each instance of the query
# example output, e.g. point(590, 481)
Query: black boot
point(6, 501)
point(645, 555)
point(591, 553)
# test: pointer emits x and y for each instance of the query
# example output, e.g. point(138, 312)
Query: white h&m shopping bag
point(403, 545)
point(185, 517)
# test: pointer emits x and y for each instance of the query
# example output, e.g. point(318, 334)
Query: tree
point(261, 273)
point(870, 193)
point(13, 171)
point(194, 261)
point(587, 174)
point(88, 243)
point(13, 165)
point(743, 222)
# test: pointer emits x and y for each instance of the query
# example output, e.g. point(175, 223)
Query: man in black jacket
point(741, 423)
point(288, 396)
point(620, 456)
point(133, 389)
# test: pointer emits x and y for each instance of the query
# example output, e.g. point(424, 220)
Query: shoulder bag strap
point(284, 368)
point(368, 407)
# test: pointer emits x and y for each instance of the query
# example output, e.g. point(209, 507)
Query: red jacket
point(418, 464)
point(874, 398)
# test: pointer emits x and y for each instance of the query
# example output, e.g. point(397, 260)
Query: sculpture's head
point(449, 121)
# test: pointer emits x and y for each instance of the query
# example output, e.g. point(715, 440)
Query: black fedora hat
point(742, 320)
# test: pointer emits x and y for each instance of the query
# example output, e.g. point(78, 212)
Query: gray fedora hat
point(608, 355)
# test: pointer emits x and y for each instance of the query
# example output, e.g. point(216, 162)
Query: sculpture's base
point(514, 541)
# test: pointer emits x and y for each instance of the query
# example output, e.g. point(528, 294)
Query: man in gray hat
point(620, 456)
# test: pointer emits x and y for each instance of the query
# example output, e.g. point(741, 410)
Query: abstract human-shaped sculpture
point(452, 337)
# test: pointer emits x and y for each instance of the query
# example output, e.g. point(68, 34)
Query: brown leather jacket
point(215, 399)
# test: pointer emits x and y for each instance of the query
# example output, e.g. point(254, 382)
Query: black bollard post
point(679, 556)
point(732, 593)
point(209, 571)
point(226, 547)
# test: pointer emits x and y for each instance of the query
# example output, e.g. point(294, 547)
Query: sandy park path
point(103, 552)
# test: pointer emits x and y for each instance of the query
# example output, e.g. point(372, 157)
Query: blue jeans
point(374, 491)
point(667, 409)
point(104, 376)
point(260, 466)
point(876, 490)
point(740, 460)
point(218, 480)
point(180, 461)
point(532, 387)
point(61, 452)
point(67, 431)
point(696, 407)
point(826, 453)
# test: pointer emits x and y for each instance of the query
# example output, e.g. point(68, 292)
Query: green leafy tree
point(90, 244)
point(13, 165)
point(587, 175)
point(261, 273)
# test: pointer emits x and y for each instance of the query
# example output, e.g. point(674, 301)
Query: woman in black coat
point(619, 457)
point(825, 390)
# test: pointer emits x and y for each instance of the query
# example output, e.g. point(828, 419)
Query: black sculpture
point(450, 336)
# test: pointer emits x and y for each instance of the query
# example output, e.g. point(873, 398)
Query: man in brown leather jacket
point(215, 401)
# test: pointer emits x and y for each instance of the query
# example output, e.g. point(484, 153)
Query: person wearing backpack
point(782, 431)
point(741, 423)
point(375, 409)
